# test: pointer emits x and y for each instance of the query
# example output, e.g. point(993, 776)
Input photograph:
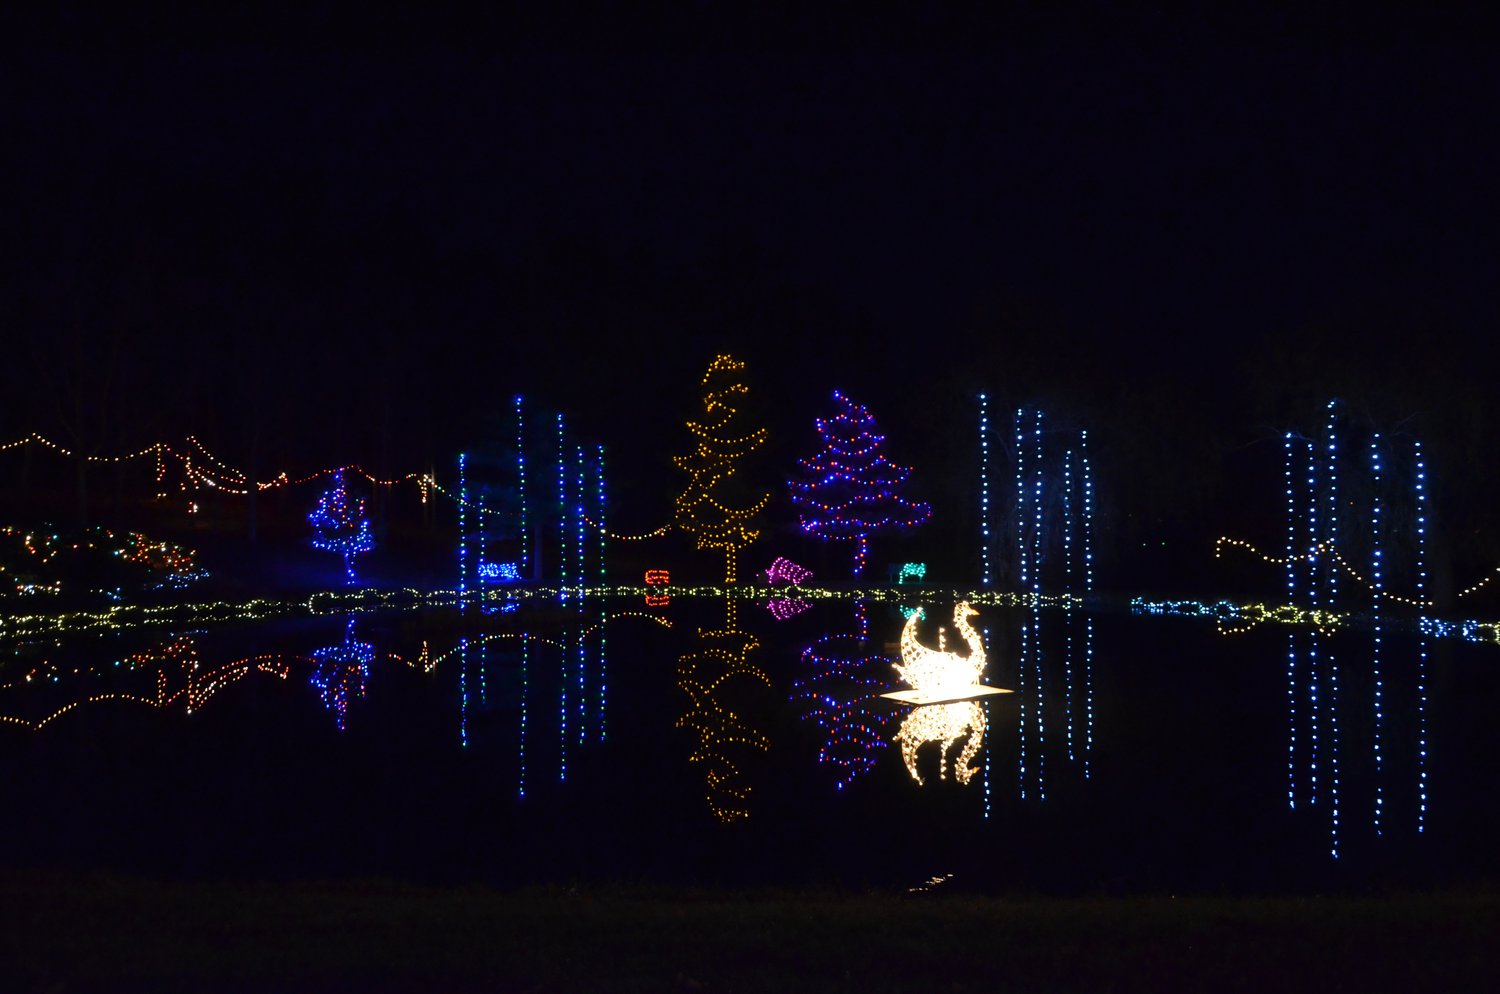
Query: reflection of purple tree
point(339, 524)
point(839, 694)
point(341, 672)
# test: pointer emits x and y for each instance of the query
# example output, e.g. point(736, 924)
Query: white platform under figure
point(938, 676)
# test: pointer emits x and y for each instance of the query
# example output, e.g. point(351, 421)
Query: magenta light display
point(783, 608)
point(339, 524)
point(849, 491)
point(783, 570)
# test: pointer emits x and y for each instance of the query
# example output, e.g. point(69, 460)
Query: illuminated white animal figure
point(938, 673)
point(944, 724)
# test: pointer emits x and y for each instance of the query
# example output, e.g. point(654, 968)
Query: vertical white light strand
point(1315, 569)
point(1088, 589)
point(525, 695)
point(1291, 635)
point(1377, 574)
point(1070, 591)
point(984, 491)
point(579, 545)
point(984, 552)
point(562, 513)
point(562, 563)
point(1022, 517)
point(1036, 613)
point(1333, 603)
point(463, 537)
point(599, 507)
point(521, 482)
point(1421, 498)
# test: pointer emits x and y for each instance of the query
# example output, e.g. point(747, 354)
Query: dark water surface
point(1180, 781)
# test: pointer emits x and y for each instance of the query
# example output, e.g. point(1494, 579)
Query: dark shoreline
point(80, 932)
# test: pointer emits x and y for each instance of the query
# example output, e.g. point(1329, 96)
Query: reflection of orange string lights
point(719, 729)
point(201, 685)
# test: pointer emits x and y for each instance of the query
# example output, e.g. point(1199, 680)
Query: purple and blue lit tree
point(339, 524)
point(849, 491)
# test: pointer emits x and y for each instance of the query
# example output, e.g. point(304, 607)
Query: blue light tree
point(849, 491)
point(339, 524)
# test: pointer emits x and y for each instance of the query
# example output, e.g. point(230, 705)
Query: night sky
point(350, 237)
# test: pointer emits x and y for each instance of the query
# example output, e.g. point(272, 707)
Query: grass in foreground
point(75, 933)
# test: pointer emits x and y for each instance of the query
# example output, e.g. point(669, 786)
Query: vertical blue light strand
point(1291, 636)
point(463, 536)
point(984, 551)
point(984, 491)
point(1421, 501)
point(1036, 613)
point(579, 547)
point(1088, 590)
point(1022, 517)
point(1377, 596)
point(521, 483)
point(562, 560)
point(599, 505)
point(1333, 603)
point(1315, 569)
point(1069, 591)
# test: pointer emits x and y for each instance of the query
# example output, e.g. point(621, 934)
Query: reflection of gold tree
point(705, 509)
point(721, 732)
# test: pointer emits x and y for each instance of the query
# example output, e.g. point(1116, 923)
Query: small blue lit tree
point(849, 491)
point(339, 524)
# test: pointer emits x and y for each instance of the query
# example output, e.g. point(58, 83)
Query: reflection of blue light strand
point(1421, 499)
point(984, 500)
point(1377, 586)
point(525, 695)
point(463, 693)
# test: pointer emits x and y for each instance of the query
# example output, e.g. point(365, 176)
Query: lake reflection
point(1137, 750)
